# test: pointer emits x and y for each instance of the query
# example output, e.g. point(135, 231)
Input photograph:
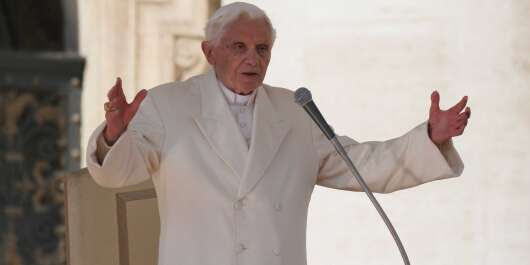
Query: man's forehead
point(248, 28)
point(243, 39)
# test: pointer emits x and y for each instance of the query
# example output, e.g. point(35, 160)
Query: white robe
point(221, 203)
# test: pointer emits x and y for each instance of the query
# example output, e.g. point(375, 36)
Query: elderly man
point(234, 161)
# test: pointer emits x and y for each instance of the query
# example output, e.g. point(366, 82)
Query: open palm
point(119, 112)
point(445, 124)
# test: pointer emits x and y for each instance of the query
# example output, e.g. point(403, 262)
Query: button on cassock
point(242, 247)
point(276, 251)
point(239, 204)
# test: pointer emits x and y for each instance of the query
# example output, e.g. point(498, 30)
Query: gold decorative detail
point(76, 118)
point(75, 153)
point(74, 81)
point(15, 105)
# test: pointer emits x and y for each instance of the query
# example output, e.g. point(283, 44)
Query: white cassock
point(223, 202)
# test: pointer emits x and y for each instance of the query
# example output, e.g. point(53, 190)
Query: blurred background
point(371, 66)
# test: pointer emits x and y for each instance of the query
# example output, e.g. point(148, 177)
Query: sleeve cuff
point(447, 153)
point(102, 148)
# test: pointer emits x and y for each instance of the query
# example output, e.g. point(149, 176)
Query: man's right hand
point(118, 113)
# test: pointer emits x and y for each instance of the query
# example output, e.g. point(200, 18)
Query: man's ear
point(207, 50)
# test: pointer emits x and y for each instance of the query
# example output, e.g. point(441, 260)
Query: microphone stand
point(340, 149)
point(302, 96)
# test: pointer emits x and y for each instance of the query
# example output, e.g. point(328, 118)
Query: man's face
point(241, 57)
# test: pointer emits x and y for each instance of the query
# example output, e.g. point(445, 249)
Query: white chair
point(110, 226)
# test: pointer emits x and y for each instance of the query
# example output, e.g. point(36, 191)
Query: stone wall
point(145, 42)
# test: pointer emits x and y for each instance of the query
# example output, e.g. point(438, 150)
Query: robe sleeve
point(135, 156)
point(387, 166)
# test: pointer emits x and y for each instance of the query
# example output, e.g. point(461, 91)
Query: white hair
point(223, 16)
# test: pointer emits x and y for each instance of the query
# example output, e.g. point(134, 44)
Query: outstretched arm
point(422, 155)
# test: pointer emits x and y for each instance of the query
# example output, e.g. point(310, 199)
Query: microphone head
point(302, 96)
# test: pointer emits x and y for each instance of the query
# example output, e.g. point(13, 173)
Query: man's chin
point(247, 90)
point(247, 87)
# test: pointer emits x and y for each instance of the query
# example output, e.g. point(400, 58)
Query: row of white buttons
point(238, 205)
point(242, 116)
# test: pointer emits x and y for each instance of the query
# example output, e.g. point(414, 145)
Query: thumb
point(140, 96)
point(435, 102)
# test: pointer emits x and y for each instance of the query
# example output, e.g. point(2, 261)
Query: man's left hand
point(445, 124)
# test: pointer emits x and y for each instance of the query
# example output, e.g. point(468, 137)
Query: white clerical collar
point(234, 98)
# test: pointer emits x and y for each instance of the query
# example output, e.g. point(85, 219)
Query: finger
point(118, 102)
point(464, 115)
point(461, 123)
point(114, 100)
point(106, 106)
point(120, 93)
point(114, 121)
point(435, 101)
point(468, 112)
point(109, 107)
point(460, 130)
point(110, 115)
point(459, 106)
point(116, 91)
point(135, 104)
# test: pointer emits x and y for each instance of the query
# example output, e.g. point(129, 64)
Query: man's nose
point(252, 57)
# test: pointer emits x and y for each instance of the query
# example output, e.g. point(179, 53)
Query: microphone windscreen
point(302, 96)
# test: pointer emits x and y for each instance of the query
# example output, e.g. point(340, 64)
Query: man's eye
point(238, 47)
point(262, 49)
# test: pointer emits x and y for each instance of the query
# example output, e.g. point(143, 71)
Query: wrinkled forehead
point(246, 28)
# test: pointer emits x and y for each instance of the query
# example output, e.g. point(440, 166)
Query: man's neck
point(235, 92)
point(236, 98)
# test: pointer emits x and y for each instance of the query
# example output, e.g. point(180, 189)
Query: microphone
point(303, 97)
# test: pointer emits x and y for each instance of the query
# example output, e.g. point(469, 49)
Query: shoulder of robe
point(283, 101)
point(280, 97)
point(278, 91)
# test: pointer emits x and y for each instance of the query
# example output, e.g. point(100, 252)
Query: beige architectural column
point(145, 42)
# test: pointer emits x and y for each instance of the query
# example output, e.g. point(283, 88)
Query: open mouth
point(250, 73)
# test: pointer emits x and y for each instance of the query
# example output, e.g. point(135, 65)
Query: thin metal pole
point(349, 163)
